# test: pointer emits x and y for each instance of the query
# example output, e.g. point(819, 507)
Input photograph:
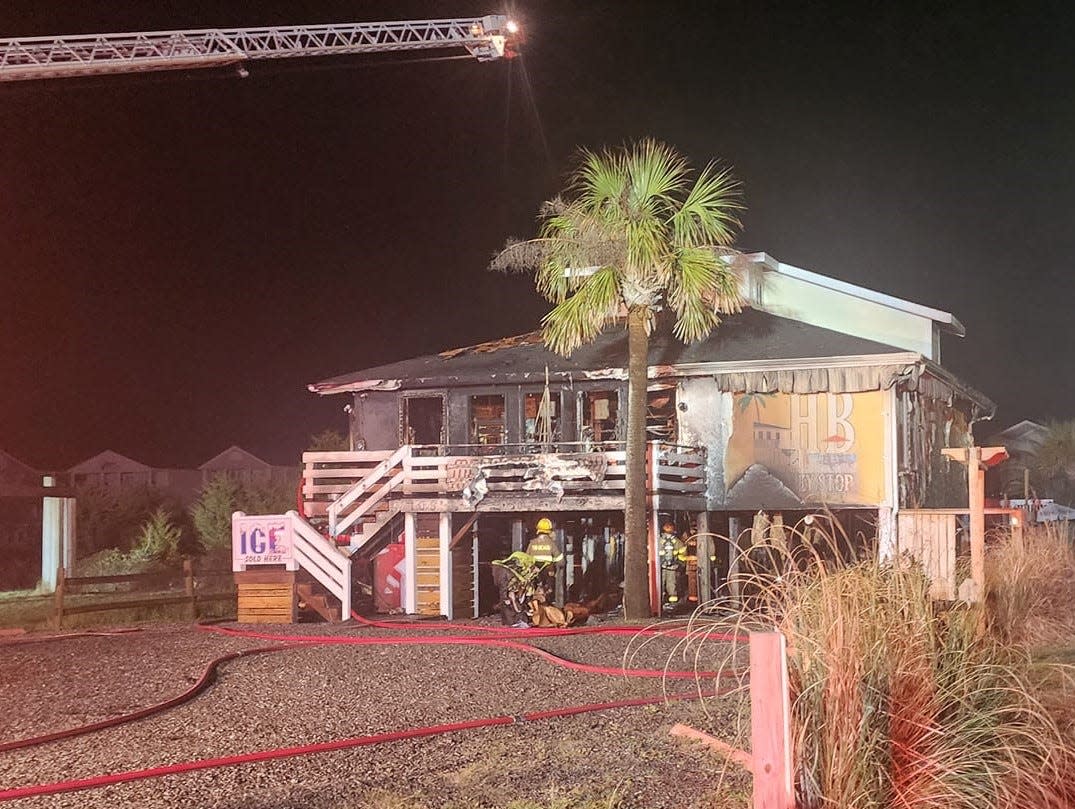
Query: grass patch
point(896, 703)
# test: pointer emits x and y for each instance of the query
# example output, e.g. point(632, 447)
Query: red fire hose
point(286, 642)
point(323, 747)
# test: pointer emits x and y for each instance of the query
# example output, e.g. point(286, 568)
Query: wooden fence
point(932, 537)
point(148, 585)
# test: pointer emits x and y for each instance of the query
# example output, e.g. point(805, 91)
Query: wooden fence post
point(188, 586)
point(57, 615)
point(770, 720)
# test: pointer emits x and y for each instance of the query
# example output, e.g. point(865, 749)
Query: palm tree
point(635, 231)
point(1054, 462)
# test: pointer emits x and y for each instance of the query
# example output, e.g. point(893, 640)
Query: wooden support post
point(977, 459)
point(770, 721)
point(68, 515)
point(188, 586)
point(654, 560)
point(1016, 520)
point(446, 591)
point(704, 550)
point(560, 586)
point(518, 535)
point(733, 560)
point(410, 564)
point(57, 615)
point(976, 493)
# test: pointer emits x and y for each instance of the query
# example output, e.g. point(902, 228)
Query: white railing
point(366, 505)
point(334, 481)
point(360, 487)
point(320, 558)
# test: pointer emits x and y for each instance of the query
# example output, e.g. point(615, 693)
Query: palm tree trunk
point(636, 603)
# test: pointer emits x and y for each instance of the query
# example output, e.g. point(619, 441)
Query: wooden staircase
point(371, 524)
point(323, 604)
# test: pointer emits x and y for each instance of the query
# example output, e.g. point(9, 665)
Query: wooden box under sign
point(266, 597)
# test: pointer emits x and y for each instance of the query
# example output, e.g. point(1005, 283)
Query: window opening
point(423, 420)
point(661, 415)
point(600, 410)
point(487, 424)
point(541, 425)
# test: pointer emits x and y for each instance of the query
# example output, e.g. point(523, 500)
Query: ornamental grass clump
point(895, 702)
point(1030, 586)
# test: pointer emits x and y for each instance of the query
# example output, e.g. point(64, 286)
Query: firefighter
point(673, 552)
point(547, 555)
point(516, 579)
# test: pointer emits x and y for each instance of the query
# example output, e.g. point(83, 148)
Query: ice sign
point(261, 540)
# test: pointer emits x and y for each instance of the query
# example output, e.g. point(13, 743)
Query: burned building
point(819, 395)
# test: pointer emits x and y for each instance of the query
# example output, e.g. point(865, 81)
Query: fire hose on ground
point(499, 638)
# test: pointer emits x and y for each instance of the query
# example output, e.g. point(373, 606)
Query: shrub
point(112, 518)
point(222, 496)
point(211, 514)
point(160, 539)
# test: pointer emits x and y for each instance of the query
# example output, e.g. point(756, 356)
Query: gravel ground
point(321, 693)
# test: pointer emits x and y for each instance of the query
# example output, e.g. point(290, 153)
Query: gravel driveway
point(623, 757)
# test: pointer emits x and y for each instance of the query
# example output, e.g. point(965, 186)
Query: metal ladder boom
point(53, 57)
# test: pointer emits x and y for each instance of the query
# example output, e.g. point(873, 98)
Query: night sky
point(180, 254)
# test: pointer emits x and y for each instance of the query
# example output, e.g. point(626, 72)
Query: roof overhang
point(689, 369)
point(947, 321)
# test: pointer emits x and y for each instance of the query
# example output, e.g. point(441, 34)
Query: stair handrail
point(360, 487)
point(393, 483)
point(321, 559)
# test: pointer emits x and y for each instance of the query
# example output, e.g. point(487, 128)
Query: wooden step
point(318, 602)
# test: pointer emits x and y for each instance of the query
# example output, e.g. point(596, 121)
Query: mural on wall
point(790, 450)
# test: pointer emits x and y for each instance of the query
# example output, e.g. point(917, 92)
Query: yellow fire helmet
point(544, 525)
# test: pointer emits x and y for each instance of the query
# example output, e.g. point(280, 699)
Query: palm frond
point(701, 288)
point(600, 182)
point(579, 318)
point(657, 175)
point(708, 214)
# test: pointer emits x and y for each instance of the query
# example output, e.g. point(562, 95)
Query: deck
point(501, 478)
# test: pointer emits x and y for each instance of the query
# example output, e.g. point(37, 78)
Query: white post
point(703, 549)
point(887, 534)
point(518, 534)
point(474, 572)
point(560, 588)
point(446, 593)
point(410, 564)
point(68, 524)
point(51, 543)
point(887, 524)
point(733, 559)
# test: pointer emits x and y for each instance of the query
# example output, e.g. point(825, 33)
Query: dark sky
point(181, 254)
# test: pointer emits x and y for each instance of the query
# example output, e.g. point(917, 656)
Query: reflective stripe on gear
point(544, 549)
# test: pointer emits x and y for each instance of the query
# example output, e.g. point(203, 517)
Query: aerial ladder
point(54, 57)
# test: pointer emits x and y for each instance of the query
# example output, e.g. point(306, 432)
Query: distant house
point(243, 466)
point(112, 471)
point(1022, 440)
point(20, 523)
point(17, 478)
